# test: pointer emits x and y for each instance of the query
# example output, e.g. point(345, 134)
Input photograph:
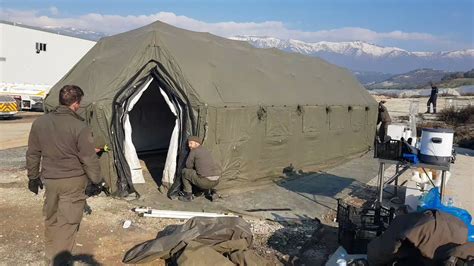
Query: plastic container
point(391, 150)
point(436, 146)
point(358, 226)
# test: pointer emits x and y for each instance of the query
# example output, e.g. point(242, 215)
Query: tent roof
point(213, 70)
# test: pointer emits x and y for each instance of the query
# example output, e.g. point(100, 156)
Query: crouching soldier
point(201, 170)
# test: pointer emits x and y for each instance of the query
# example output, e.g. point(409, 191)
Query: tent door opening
point(151, 124)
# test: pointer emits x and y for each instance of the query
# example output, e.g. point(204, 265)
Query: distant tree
point(458, 75)
point(469, 74)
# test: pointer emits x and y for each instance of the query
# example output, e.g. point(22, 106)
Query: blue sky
point(414, 25)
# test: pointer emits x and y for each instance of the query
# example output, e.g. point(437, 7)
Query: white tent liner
point(170, 165)
point(129, 147)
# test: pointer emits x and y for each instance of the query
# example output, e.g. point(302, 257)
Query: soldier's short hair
point(70, 94)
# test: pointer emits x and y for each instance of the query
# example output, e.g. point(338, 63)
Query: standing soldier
point(433, 98)
point(384, 120)
point(62, 144)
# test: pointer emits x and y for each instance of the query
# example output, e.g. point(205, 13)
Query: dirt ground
point(103, 241)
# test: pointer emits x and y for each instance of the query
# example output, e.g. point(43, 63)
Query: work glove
point(34, 185)
point(95, 189)
point(87, 209)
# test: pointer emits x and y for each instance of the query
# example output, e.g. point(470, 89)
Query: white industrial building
point(32, 60)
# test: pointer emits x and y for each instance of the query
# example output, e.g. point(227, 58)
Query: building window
point(3, 59)
point(40, 47)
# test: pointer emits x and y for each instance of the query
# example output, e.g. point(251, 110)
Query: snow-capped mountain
point(369, 57)
point(356, 55)
point(356, 48)
point(74, 32)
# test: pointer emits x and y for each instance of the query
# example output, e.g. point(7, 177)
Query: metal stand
point(401, 167)
point(380, 184)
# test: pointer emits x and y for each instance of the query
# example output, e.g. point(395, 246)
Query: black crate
point(358, 226)
point(390, 150)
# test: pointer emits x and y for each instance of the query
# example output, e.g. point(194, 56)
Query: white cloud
point(112, 24)
point(54, 10)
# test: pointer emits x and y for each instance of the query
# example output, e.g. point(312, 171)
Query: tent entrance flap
point(151, 134)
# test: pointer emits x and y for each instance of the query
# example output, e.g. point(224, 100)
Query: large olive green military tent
point(258, 110)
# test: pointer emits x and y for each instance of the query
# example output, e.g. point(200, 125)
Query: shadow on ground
point(464, 151)
point(155, 164)
point(315, 185)
point(303, 240)
point(66, 258)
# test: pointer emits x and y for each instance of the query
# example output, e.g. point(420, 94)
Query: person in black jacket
point(433, 98)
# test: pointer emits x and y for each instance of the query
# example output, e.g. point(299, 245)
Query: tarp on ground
point(200, 241)
point(259, 110)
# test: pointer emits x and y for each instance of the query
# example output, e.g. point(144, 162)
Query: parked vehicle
point(8, 106)
point(32, 103)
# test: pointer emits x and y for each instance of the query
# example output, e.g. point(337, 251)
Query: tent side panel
point(315, 134)
point(248, 147)
point(100, 117)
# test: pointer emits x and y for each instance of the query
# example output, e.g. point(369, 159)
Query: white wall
point(19, 62)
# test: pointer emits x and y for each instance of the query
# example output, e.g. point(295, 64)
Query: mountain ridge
point(364, 56)
point(354, 55)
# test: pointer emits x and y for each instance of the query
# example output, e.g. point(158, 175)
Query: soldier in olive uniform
point(62, 144)
point(201, 170)
point(384, 120)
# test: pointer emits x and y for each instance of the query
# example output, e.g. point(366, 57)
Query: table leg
point(396, 180)
point(380, 183)
point(443, 180)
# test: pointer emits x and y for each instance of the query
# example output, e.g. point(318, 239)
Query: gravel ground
point(305, 241)
point(102, 239)
point(13, 159)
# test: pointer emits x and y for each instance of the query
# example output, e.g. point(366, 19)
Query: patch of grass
point(404, 117)
point(458, 82)
point(388, 94)
point(457, 117)
point(464, 137)
point(460, 120)
point(430, 124)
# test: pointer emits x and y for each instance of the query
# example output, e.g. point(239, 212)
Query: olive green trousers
point(63, 208)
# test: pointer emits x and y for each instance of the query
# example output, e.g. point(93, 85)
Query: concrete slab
point(302, 195)
point(15, 131)
point(461, 184)
point(14, 135)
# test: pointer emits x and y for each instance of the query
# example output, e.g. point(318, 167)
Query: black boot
point(212, 195)
point(187, 197)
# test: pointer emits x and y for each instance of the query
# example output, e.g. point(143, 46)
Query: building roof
point(16, 24)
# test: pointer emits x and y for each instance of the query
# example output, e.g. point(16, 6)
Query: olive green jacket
point(63, 145)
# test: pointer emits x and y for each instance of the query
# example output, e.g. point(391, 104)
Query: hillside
point(458, 82)
point(411, 80)
point(371, 77)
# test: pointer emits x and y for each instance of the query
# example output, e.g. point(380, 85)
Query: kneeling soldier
point(201, 170)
